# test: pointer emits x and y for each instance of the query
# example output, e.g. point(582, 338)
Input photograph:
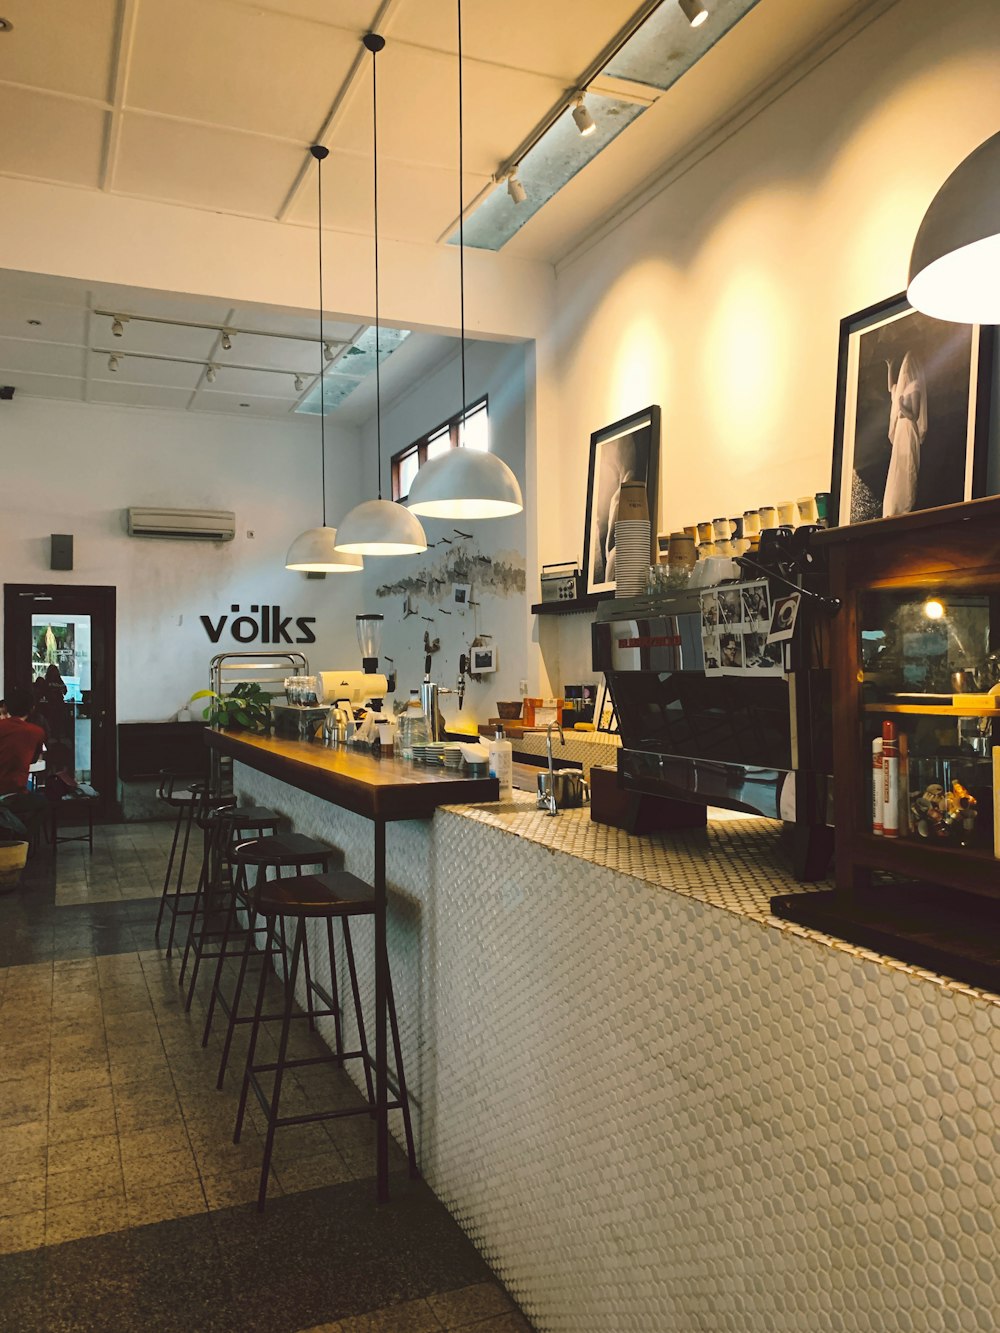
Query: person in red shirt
point(20, 745)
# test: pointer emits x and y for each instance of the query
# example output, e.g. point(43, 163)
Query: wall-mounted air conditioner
point(191, 525)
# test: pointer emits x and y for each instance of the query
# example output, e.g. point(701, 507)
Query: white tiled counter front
point(656, 1108)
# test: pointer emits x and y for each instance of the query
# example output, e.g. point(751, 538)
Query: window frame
point(419, 446)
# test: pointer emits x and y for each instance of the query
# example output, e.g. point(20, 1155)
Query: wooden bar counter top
point(380, 788)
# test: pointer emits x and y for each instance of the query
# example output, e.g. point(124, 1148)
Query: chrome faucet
point(552, 809)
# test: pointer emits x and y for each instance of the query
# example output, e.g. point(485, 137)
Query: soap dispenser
point(502, 763)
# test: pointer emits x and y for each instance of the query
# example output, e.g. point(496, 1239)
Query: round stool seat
point(254, 816)
point(185, 795)
point(337, 893)
point(282, 849)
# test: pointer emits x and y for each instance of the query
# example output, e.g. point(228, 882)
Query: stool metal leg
point(170, 865)
point(251, 1052)
point(334, 993)
point(279, 1072)
point(179, 891)
point(232, 920)
point(404, 1101)
point(366, 1059)
point(234, 1005)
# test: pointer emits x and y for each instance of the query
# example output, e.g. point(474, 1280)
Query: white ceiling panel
point(43, 287)
point(501, 106)
point(256, 384)
point(244, 404)
point(554, 37)
point(63, 45)
point(205, 168)
point(43, 358)
point(281, 353)
point(44, 386)
point(55, 140)
point(159, 339)
point(140, 370)
point(412, 200)
point(57, 323)
point(138, 395)
point(226, 64)
point(351, 15)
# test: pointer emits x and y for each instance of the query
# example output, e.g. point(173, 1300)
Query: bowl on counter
point(510, 710)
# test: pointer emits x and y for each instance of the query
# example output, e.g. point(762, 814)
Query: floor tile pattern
point(124, 1203)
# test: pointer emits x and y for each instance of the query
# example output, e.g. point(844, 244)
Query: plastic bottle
point(890, 781)
point(878, 790)
point(414, 728)
point(502, 763)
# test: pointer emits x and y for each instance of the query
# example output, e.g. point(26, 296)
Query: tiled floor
point(124, 1203)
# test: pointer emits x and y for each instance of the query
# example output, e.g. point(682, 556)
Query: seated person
point(21, 743)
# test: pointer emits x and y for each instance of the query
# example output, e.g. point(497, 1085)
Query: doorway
point(59, 639)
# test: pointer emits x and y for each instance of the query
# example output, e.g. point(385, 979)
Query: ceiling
point(56, 341)
point(212, 104)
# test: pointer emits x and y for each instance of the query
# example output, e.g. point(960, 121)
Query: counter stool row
point(277, 908)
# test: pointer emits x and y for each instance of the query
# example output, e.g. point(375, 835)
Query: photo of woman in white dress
point(907, 429)
point(909, 399)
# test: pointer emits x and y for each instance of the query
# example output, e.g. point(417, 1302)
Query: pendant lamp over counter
point(464, 483)
point(315, 550)
point(379, 527)
point(955, 265)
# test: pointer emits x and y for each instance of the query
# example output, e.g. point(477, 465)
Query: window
point(475, 434)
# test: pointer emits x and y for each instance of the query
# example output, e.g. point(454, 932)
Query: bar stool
point(183, 800)
point(299, 900)
point(224, 826)
point(284, 851)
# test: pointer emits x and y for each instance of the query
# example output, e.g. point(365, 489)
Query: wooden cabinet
point(918, 629)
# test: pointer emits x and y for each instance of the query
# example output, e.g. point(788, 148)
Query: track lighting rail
point(233, 330)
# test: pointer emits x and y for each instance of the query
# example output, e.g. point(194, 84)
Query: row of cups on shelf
point(730, 537)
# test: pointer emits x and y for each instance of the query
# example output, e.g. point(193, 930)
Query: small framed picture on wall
point(626, 451)
point(913, 410)
point(483, 660)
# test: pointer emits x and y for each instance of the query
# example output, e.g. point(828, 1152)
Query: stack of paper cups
point(633, 541)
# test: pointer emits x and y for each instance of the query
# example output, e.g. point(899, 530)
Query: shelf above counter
point(578, 606)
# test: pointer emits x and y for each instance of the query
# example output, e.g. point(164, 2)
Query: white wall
point(498, 370)
point(74, 467)
point(721, 298)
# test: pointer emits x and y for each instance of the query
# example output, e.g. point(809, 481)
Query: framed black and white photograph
point(627, 451)
point(461, 593)
point(483, 660)
point(913, 404)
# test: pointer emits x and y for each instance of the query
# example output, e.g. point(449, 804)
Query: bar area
point(500, 703)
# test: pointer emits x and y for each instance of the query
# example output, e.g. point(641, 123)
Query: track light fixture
point(113, 362)
point(211, 374)
point(118, 326)
point(300, 384)
point(515, 188)
point(585, 122)
point(227, 342)
point(328, 352)
point(694, 11)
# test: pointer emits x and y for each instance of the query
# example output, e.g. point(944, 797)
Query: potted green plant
point(247, 707)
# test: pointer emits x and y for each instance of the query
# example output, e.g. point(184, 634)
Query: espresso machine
point(691, 739)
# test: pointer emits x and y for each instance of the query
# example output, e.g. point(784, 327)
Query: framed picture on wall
point(912, 419)
point(626, 451)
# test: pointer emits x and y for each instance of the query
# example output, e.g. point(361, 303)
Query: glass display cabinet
point(916, 700)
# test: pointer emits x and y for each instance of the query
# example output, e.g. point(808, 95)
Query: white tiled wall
point(654, 1109)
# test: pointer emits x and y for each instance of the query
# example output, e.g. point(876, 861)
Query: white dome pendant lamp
point(464, 483)
point(955, 264)
point(379, 527)
point(315, 550)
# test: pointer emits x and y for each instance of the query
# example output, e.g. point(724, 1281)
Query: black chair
point(330, 897)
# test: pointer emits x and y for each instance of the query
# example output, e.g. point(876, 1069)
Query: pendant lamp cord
point(461, 220)
point(319, 153)
point(323, 351)
point(378, 377)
